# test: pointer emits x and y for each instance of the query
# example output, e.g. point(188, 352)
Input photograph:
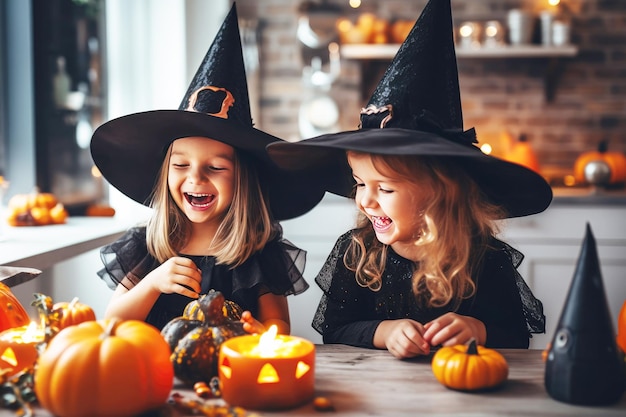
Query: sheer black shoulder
point(533, 308)
point(126, 261)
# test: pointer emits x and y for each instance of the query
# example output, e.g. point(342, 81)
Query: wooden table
point(364, 382)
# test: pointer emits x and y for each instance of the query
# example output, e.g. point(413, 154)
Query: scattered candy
point(202, 390)
point(205, 408)
point(323, 404)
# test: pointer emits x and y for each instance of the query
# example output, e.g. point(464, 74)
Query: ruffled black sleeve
point(503, 300)
point(345, 313)
point(126, 261)
point(277, 268)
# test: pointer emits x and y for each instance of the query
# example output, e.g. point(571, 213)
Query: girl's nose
point(367, 198)
point(196, 176)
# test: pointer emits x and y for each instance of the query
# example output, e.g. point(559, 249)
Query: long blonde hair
point(246, 228)
point(458, 223)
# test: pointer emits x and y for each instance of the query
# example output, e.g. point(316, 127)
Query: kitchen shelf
point(388, 51)
point(373, 59)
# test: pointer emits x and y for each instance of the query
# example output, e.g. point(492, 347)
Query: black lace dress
point(349, 314)
point(277, 269)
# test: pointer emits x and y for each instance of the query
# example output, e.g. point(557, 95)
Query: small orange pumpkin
point(521, 152)
point(621, 328)
point(73, 313)
point(469, 368)
point(615, 160)
point(104, 368)
point(12, 313)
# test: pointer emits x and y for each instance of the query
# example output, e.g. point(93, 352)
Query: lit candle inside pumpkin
point(18, 347)
point(268, 371)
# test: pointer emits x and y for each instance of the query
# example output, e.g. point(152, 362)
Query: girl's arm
point(176, 275)
point(134, 304)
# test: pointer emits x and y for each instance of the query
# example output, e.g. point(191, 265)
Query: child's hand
point(177, 275)
point(454, 329)
point(402, 338)
point(250, 324)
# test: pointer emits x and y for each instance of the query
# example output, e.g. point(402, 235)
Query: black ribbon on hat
point(429, 122)
point(384, 117)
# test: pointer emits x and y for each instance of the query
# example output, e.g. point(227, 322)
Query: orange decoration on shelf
point(615, 160)
point(400, 30)
point(35, 209)
point(521, 152)
point(100, 210)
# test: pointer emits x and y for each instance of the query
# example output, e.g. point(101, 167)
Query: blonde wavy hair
point(246, 228)
point(457, 225)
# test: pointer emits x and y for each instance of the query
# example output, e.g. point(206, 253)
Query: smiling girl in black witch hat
point(423, 267)
point(216, 199)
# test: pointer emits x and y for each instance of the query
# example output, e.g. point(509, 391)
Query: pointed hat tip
point(589, 233)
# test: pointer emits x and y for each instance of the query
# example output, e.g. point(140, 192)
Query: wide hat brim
point(130, 150)
point(519, 190)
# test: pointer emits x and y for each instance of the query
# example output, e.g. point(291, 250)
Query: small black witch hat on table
point(584, 365)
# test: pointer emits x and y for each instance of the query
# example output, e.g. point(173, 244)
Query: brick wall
point(499, 95)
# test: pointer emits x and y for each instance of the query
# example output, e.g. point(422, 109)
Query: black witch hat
point(416, 110)
point(584, 365)
point(129, 150)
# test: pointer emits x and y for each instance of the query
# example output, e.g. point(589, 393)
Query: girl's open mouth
point(381, 224)
point(199, 200)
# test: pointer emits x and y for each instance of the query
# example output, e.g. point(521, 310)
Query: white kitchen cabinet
point(316, 232)
point(550, 241)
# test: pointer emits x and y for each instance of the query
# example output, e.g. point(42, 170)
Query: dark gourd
point(195, 340)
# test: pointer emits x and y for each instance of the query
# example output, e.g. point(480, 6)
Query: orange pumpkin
point(469, 368)
point(73, 313)
point(521, 152)
point(400, 30)
point(615, 160)
point(100, 210)
point(621, 328)
point(104, 368)
point(35, 209)
point(18, 351)
point(12, 313)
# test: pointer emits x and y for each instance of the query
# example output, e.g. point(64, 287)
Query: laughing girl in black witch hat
point(423, 267)
point(216, 199)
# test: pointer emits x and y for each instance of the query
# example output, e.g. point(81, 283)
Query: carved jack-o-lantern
point(267, 372)
point(18, 348)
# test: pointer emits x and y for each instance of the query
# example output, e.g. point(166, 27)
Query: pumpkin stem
point(603, 146)
point(111, 325)
point(72, 303)
point(212, 304)
point(471, 348)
